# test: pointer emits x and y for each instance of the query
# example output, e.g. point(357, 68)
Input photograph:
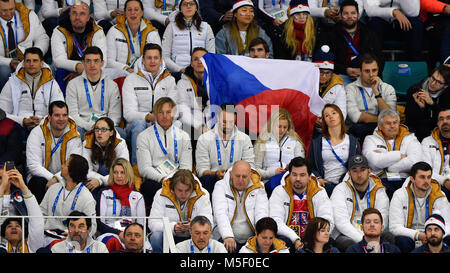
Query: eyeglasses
point(186, 4)
point(436, 80)
point(103, 130)
point(325, 72)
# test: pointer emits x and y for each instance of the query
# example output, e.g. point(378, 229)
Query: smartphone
point(9, 165)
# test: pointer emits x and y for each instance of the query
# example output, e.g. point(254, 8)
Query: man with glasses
point(436, 150)
point(93, 95)
point(425, 99)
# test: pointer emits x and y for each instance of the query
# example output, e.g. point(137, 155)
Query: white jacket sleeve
point(410, 8)
point(203, 207)
point(157, 211)
point(342, 217)
point(353, 112)
point(130, 101)
point(220, 210)
point(278, 213)
point(262, 205)
point(323, 207)
point(427, 153)
point(101, 11)
point(35, 224)
point(373, 9)
point(35, 156)
point(74, 104)
point(210, 40)
point(203, 160)
point(144, 159)
point(167, 49)
point(6, 103)
point(113, 33)
point(382, 204)
point(49, 9)
point(259, 161)
point(115, 104)
point(397, 219)
point(40, 37)
point(378, 160)
point(316, 8)
point(59, 52)
point(151, 13)
point(414, 154)
point(247, 151)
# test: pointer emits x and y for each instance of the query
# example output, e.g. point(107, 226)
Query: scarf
point(300, 34)
point(122, 192)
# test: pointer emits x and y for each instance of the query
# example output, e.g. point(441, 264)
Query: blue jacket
point(315, 154)
point(425, 249)
point(326, 249)
point(360, 247)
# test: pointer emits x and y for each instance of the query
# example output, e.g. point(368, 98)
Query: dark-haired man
point(412, 204)
point(79, 238)
point(434, 232)
point(298, 199)
point(27, 94)
point(93, 94)
point(48, 147)
point(141, 90)
point(70, 194)
point(259, 48)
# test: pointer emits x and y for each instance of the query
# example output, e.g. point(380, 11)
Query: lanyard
point(88, 250)
point(102, 107)
point(164, 4)
point(175, 143)
point(335, 154)
point(56, 146)
point(281, 1)
point(192, 248)
point(114, 204)
point(364, 98)
point(78, 46)
point(129, 37)
point(219, 156)
point(74, 199)
point(427, 204)
point(367, 198)
point(104, 172)
point(4, 33)
point(351, 45)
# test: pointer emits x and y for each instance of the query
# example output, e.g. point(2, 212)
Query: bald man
point(239, 201)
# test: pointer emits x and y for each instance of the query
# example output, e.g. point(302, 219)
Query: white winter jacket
point(140, 94)
point(150, 155)
point(344, 199)
point(165, 204)
point(106, 207)
point(92, 246)
point(153, 9)
point(16, 96)
point(402, 212)
point(318, 9)
point(177, 44)
point(79, 108)
point(225, 198)
point(39, 148)
point(189, 105)
point(85, 203)
point(119, 49)
point(121, 150)
point(384, 8)
point(355, 102)
point(206, 152)
point(103, 8)
point(35, 35)
point(433, 154)
point(281, 205)
point(272, 155)
point(35, 238)
point(387, 158)
point(62, 46)
point(50, 8)
point(335, 94)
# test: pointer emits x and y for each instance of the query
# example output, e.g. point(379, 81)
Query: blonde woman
point(234, 38)
point(277, 144)
point(119, 199)
point(298, 33)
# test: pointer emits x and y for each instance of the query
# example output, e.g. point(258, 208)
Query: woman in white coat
point(119, 199)
point(102, 145)
point(275, 147)
point(187, 32)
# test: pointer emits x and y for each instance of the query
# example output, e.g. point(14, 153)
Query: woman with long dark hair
point(330, 152)
point(187, 32)
point(234, 38)
point(317, 236)
point(101, 146)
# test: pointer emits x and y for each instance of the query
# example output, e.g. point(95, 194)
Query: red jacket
point(431, 6)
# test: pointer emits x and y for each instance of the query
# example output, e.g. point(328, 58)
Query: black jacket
point(369, 43)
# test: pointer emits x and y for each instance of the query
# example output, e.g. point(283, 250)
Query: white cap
point(242, 3)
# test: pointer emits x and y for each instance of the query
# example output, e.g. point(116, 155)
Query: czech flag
point(256, 85)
